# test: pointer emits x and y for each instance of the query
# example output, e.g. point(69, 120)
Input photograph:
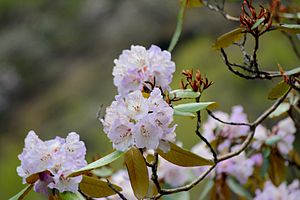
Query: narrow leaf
point(183, 157)
point(279, 90)
point(257, 23)
point(292, 72)
point(228, 38)
point(71, 196)
point(184, 94)
point(96, 188)
point(277, 169)
point(289, 28)
point(178, 196)
point(178, 29)
point(102, 172)
point(22, 193)
point(193, 107)
point(194, 3)
point(238, 189)
point(185, 114)
point(281, 109)
point(137, 171)
point(99, 163)
point(272, 140)
point(207, 188)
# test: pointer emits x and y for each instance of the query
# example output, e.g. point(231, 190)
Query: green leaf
point(94, 187)
point(102, 172)
point(207, 188)
point(272, 140)
point(178, 196)
point(178, 29)
point(137, 171)
point(295, 71)
point(238, 189)
point(228, 38)
point(194, 107)
point(184, 94)
point(279, 90)
point(257, 23)
point(22, 193)
point(185, 114)
point(266, 151)
point(183, 157)
point(281, 109)
point(289, 28)
point(277, 169)
point(194, 3)
point(99, 163)
point(71, 196)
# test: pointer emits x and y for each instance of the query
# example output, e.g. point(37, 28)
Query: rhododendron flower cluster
point(270, 191)
point(213, 129)
point(137, 66)
point(54, 160)
point(285, 131)
point(139, 121)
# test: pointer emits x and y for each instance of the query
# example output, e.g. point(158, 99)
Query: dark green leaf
point(194, 3)
point(94, 187)
point(99, 163)
point(183, 157)
point(277, 169)
point(238, 189)
point(137, 171)
point(207, 188)
point(257, 23)
point(228, 38)
point(22, 193)
point(71, 196)
point(279, 90)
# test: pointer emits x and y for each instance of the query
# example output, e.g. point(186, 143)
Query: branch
point(220, 9)
point(115, 190)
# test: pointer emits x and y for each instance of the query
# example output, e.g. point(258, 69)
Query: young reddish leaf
point(183, 157)
point(22, 193)
point(96, 188)
point(228, 38)
point(98, 163)
point(137, 171)
point(194, 3)
point(279, 90)
point(277, 169)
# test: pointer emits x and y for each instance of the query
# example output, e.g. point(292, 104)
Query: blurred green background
point(56, 59)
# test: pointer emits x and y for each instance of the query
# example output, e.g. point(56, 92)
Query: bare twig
point(115, 190)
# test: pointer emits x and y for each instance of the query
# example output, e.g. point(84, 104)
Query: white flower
point(136, 120)
point(286, 131)
point(54, 160)
point(137, 66)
